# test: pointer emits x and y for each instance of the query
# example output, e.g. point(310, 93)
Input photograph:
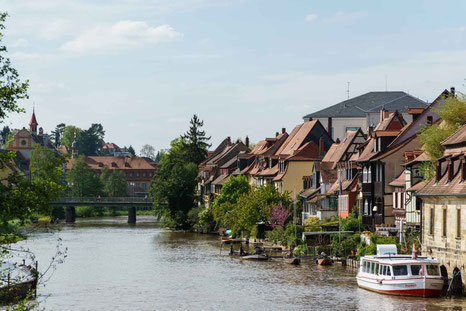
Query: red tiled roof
point(459, 137)
point(296, 138)
point(120, 163)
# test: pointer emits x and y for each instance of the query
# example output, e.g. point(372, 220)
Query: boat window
point(373, 268)
point(400, 270)
point(388, 271)
point(367, 266)
point(364, 266)
point(376, 268)
point(432, 270)
point(416, 270)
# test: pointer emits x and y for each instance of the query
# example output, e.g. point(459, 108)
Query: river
point(115, 266)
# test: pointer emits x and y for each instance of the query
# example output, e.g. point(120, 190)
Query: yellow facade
point(292, 180)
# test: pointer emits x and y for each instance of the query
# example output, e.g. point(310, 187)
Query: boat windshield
point(416, 270)
point(432, 270)
point(400, 270)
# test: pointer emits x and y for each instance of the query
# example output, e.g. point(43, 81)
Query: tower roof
point(33, 119)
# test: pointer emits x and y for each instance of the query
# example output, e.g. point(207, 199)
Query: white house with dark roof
point(364, 111)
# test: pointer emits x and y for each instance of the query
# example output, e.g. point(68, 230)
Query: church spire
point(33, 123)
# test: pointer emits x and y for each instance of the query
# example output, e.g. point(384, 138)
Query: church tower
point(33, 123)
point(74, 147)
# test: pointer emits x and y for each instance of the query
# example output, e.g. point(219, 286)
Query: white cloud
point(310, 17)
point(56, 29)
point(121, 35)
point(24, 56)
point(345, 17)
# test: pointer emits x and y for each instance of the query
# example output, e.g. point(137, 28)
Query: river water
point(115, 266)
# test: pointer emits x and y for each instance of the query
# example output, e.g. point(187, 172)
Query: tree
point(196, 142)
point(4, 134)
point(58, 134)
point(453, 115)
point(160, 154)
point(113, 182)
point(131, 151)
point(278, 215)
point(68, 135)
point(82, 181)
point(147, 151)
point(252, 207)
point(90, 141)
point(224, 204)
point(173, 186)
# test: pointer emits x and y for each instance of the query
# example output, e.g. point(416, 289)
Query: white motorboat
point(393, 274)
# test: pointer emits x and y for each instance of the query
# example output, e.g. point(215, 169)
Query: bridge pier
point(132, 215)
point(70, 214)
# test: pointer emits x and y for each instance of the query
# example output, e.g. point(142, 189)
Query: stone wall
point(444, 241)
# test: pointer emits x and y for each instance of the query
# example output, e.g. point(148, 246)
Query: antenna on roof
point(347, 91)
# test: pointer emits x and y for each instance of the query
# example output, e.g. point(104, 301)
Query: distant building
point(113, 150)
point(138, 171)
point(363, 111)
point(24, 140)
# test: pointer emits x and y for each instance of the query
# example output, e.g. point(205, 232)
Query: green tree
point(224, 204)
point(82, 181)
point(58, 134)
point(131, 151)
point(173, 186)
point(113, 182)
point(90, 140)
point(4, 134)
point(68, 135)
point(196, 141)
point(252, 207)
point(453, 115)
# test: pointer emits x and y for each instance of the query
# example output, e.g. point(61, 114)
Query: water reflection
point(114, 266)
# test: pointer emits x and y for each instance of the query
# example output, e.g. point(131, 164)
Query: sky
point(142, 68)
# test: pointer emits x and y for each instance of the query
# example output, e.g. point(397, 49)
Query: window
point(366, 207)
point(364, 175)
point(364, 266)
point(144, 186)
point(432, 270)
point(369, 174)
point(429, 120)
point(351, 128)
point(144, 175)
point(130, 174)
point(432, 220)
point(444, 222)
point(400, 270)
point(416, 270)
point(458, 223)
point(137, 174)
point(377, 267)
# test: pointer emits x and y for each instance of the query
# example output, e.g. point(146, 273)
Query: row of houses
point(363, 154)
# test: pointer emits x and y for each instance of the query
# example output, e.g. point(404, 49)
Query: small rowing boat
point(257, 257)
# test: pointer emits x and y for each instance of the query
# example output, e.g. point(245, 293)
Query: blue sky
point(142, 68)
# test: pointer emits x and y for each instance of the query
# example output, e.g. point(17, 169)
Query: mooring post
point(70, 214)
point(132, 215)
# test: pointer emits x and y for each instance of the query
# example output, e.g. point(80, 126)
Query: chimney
point(371, 131)
point(329, 127)
point(41, 131)
point(452, 91)
point(283, 130)
point(247, 141)
point(415, 112)
point(337, 140)
point(321, 147)
point(383, 114)
point(229, 140)
point(276, 134)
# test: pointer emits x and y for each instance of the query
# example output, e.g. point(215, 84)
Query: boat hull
point(419, 287)
point(255, 257)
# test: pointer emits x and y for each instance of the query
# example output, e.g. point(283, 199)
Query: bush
point(311, 224)
point(351, 223)
point(193, 215)
point(206, 219)
point(85, 211)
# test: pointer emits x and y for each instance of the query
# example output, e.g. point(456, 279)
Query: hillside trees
point(113, 183)
point(82, 181)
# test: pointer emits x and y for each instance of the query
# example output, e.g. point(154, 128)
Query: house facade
point(444, 209)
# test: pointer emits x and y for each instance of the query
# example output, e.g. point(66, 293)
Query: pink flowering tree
point(278, 214)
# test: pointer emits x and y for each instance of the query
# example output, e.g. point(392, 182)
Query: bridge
point(131, 203)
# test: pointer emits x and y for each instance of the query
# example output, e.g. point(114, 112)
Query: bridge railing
point(65, 200)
